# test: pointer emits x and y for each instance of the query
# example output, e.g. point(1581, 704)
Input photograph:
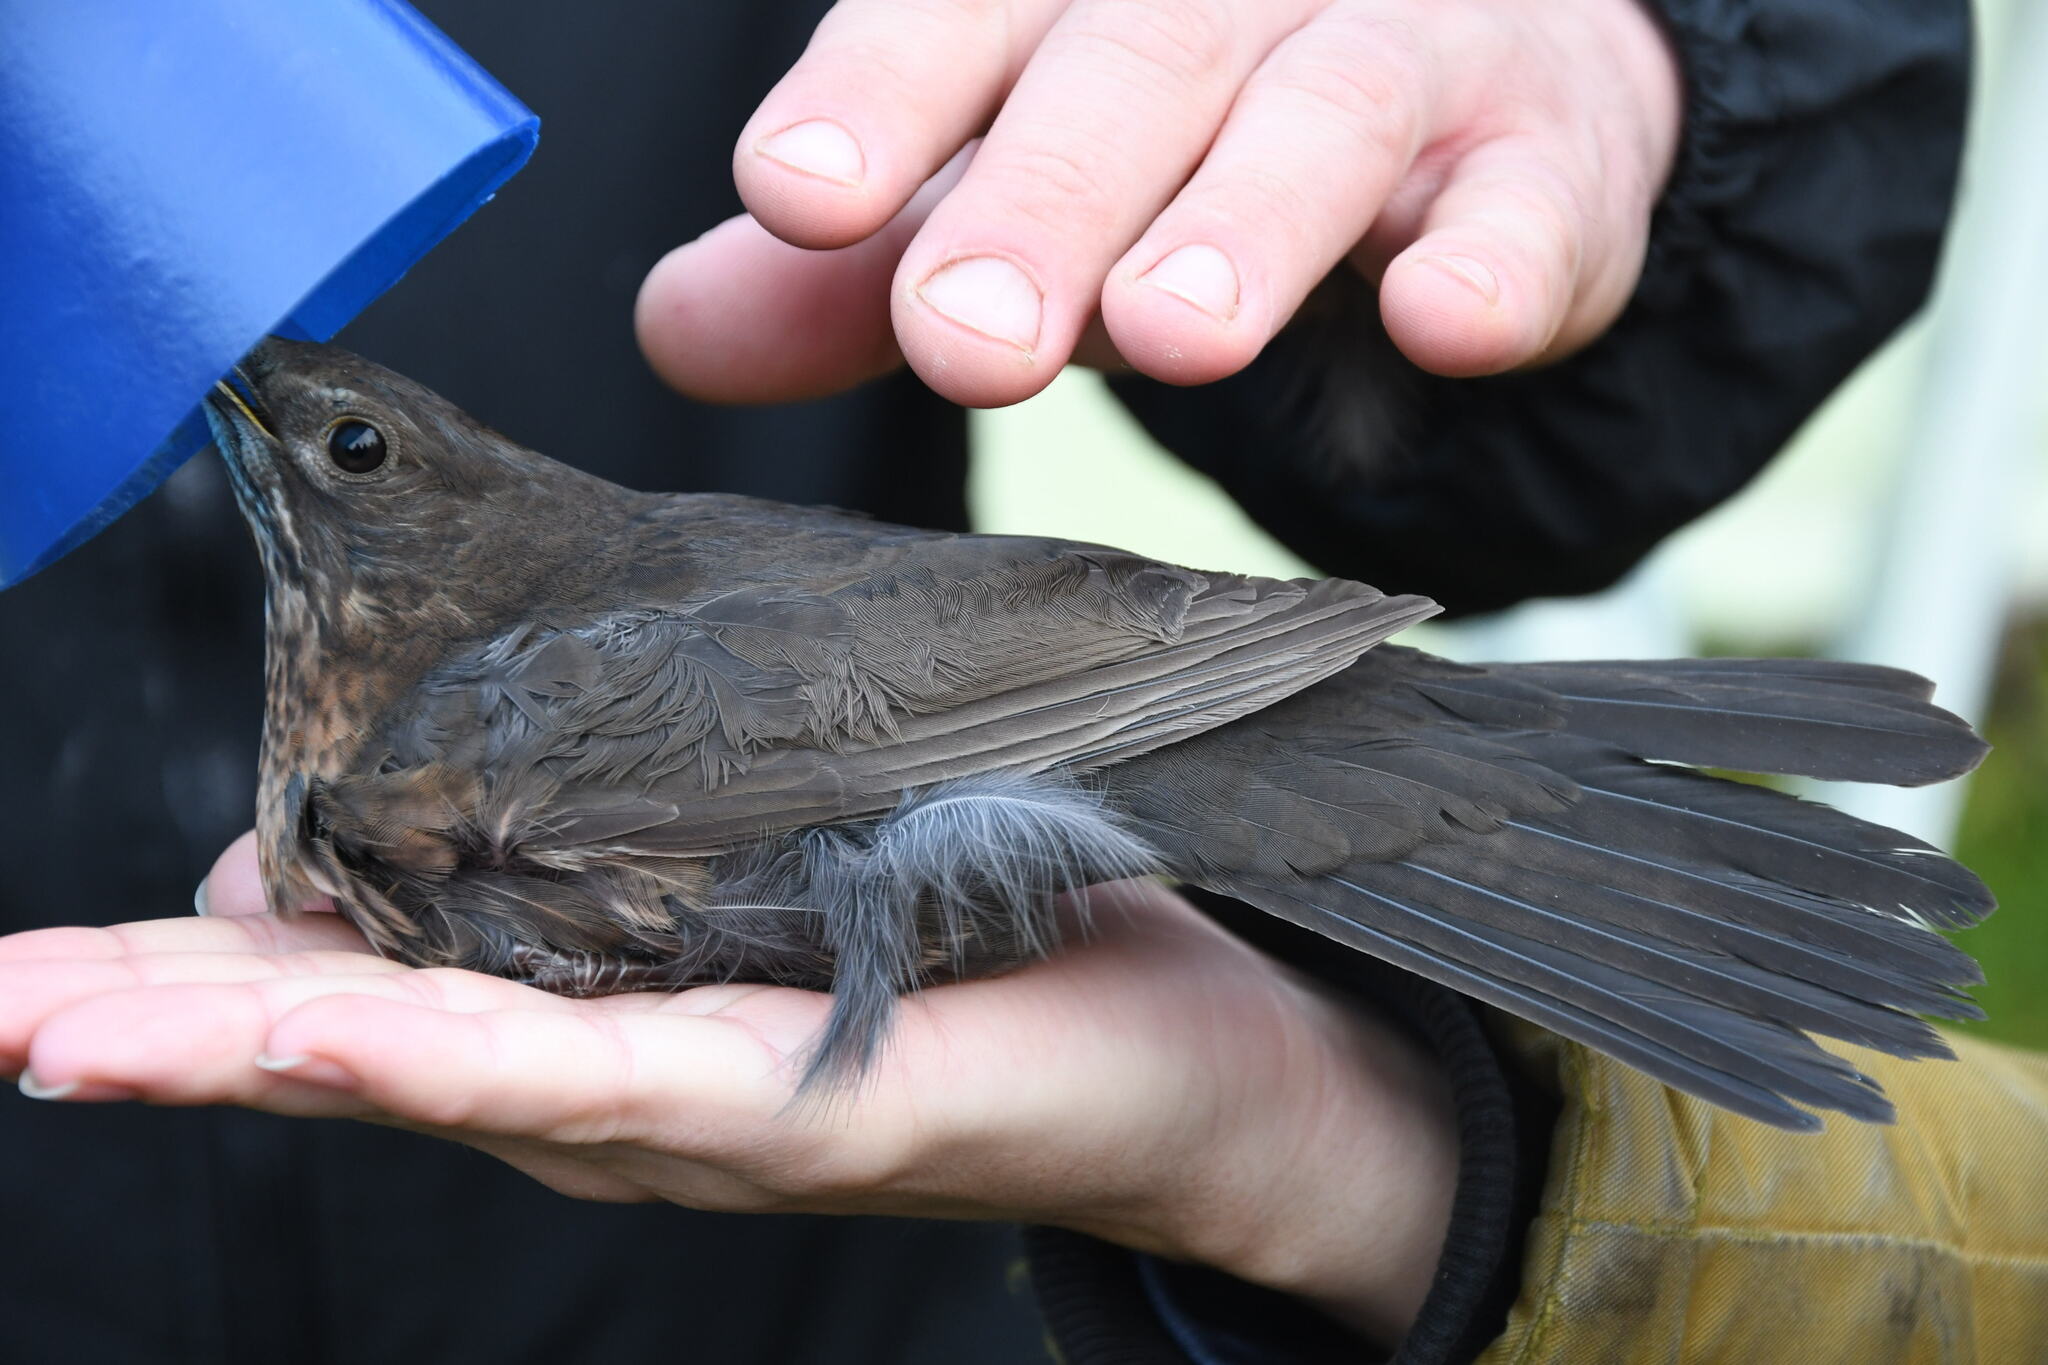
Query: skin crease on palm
point(1157, 184)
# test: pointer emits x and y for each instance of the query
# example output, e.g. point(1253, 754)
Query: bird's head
point(392, 528)
point(376, 503)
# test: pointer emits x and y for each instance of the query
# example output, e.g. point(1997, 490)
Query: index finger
point(884, 95)
point(235, 885)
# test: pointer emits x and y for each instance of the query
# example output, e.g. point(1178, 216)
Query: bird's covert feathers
point(524, 721)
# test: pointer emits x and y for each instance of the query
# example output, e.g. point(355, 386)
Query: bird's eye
point(355, 446)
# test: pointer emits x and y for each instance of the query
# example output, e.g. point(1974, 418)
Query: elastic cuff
point(1101, 1310)
point(1716, 142)
point(1094, 1302)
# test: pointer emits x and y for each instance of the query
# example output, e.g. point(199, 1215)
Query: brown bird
point(527, 722)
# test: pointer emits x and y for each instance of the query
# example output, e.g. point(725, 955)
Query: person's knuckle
point(442, 1107)
point(1060, 184)
point(434, 985)
point(1262, 204)
point(1367, 79)
point(430, 988)
point(1150, 39)
point(910, 23)
point(1612, 159)
point(616, 1109)
point(889, 75)
point(266, 935)
point(303, 962)
point(891, 50)
point(976, 12)
point(1549, 212)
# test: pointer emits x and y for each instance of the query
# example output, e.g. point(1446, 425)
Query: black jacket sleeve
point(1800, 228)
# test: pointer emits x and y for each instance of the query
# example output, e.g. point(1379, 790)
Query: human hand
point(1173, 176)
point(1160, 1085)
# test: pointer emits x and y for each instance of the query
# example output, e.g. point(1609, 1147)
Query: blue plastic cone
point(178, 179)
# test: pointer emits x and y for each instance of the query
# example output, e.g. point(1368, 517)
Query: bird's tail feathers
point(1840, 722)
point(1697, 928)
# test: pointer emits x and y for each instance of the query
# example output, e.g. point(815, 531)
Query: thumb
point(235, 885)
point(739, 316)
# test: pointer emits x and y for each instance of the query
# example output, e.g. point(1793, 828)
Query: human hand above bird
point(1163, 183)
point(1159, 1084)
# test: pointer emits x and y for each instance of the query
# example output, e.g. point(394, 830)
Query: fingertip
point(1201, 276)
point(234, 885)
point(973, 328)
point(972, 373)
point(740, 317)
point(816, 149)
point(34, 1087)
point(807, 183)
point(1182, 319)
point(1180, 356)
point(880, 99)
point(1164, 338)
point(161, 1042)
point(302, 1066)
point(1459, 314)
point(662, 321)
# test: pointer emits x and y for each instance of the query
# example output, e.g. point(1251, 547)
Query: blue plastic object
point(178, 179)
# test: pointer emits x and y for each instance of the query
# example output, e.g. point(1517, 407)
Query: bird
point(523, 721)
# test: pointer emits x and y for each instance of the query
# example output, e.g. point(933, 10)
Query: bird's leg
point(584, 975)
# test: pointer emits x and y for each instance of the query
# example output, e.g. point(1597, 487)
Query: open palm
point(1158, 1084)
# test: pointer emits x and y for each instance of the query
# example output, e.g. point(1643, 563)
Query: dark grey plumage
point(526, 722)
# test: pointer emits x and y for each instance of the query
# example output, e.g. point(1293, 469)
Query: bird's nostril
point(264, 358)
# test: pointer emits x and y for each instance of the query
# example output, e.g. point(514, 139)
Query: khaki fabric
point(1671, 1231)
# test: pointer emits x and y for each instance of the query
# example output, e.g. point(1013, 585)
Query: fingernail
point(1201, 275)
point(199, 897)
point(80, 1092)
point(817, 147)
point(301, 1066)
point(1471, 272)
point(36, 1090)
point(989, 295)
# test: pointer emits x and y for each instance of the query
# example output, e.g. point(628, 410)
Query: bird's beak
point(236, 394)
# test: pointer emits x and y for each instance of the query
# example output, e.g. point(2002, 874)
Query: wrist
point(1335, 1182)
point(1646, 62)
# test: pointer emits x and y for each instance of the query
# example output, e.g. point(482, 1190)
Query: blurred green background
point(1796, 564)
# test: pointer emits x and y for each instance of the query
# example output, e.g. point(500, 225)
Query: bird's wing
point(1518, 833)
point(688, 730)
